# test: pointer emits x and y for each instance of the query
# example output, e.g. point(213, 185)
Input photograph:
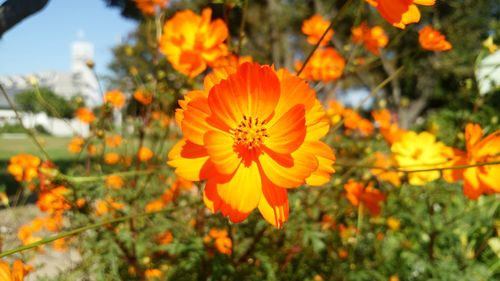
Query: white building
point(79, 81)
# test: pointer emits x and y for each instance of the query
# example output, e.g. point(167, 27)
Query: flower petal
point(289, 132)
point(220, 148)
point(190, 160)
point(325, 157)
point(273, 204)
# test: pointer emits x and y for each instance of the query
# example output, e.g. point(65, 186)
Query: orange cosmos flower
point(149, 7)
point(190, 41)
point(314, 27)
point(230, 60)
point(85, 115)
point(103, 207)
point(400, 12)
point(114, 141)
point(143, 97)
point(369, 196)
point(153, 274)
point(75, 145)
point(24, 167)
point(354, 121)
point(252, 135)
point(53, 201)
point(373, 38)
point(144, 154)
point(222, 243)
point(477, 180)
point(432, 40)
point(111, 158)
point(165, 238)
point(384, 161)
point(115, 97)
point(114, 182)
point(325, 65)
point(19, 271)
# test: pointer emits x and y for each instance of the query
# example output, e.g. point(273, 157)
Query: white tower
point(82, 53)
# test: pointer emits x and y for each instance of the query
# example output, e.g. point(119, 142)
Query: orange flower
point(85, 115)
point(19, 271)
point(325, 65)
point(222, 243)
point(153, 274)
point(111, 158)
point(354, 121)
point(24, 167)
point(75, 145)
point(60, 245)
point(477, 180)
point(251, 136)
point(400, 12)
point(103, 207)
point(374, 38)
point(383, 161)
point(334, 111)
point(314, 27)
point(53, 200)
point(190, 41)
point(432, 40)
point(165, 238)
point(390, 131)
point(114, 182)
point(116, 98)
point(161, 117)
point(369, 196)
point(382, 117)
point(154, 206)
point(143, 97)
point(144, 154)
point(114, 141)
point(149, 7)
point(230, 60)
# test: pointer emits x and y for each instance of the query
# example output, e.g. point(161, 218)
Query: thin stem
point(332, 23)
point(30, 133)
point(76, 231)
point(405, 170)
point(103, 177)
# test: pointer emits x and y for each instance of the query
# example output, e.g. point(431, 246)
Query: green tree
point(44, 100)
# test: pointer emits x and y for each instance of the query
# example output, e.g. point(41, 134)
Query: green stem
point(343, 9)
point(405, 170)
point(76, 231)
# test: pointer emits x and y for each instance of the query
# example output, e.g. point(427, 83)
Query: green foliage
point(44, 100)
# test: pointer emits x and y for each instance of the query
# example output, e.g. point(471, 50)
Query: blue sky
point(42, 41)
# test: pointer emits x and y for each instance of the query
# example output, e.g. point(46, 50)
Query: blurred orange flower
point(143, 97)
point(116, 98)
point(230, 60)
point(354, 121)
point(191, 42)
point(334, 111)
point(432, 40)
point(75, 145)
point(325, 65)
point(54, 201)
point(389, 130)
point(373, 38)
point(165, 238)
point(153, 274)
point(107, 205)
point(369, 196)
point(19, 271)
point(400, 12)
point(222, 243)
point(477, 180)
point(144, 154)
point(154, 206)
point(384, 161)
point(314, 27)
point(24, 167)
point(254, 135)
point(114, 182)
point(111, 158)
point(114, 141)
point(149, 7)
point(85, 115)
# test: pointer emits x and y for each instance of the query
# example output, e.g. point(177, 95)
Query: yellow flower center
point(250, 133)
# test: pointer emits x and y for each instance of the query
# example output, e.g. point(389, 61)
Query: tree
point(46, 101)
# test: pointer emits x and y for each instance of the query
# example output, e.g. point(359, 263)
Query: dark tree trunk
point(14, 11)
